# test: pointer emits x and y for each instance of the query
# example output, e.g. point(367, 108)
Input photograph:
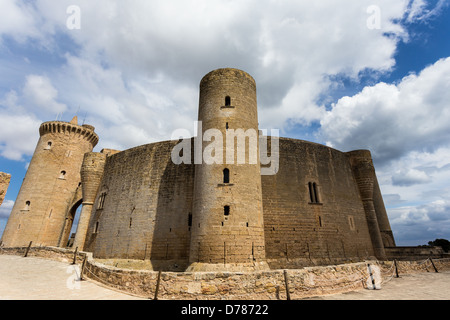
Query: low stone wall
point(51, 253)
point(414, 253)
point(262, 285)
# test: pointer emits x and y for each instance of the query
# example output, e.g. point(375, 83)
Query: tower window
point(190, 220)
point(96, 227)
point(227, 101)
point(27, 206)
point(49, 145)
point(226, 176)
point(101, 200)
point(313, 193)
point(62, 175)
point(226, 211)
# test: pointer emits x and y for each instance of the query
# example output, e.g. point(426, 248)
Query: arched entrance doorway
point(70, 226)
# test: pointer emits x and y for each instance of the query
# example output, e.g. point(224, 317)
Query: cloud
point(394, 119)
point(410, 177)
point(418, 225)
point(18, 135)
point(5, 208)
point(288, 47)
point(418, 10)
point(41, 94)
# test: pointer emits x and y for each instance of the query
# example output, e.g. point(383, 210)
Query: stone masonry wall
point(300, 232)
point(4, 184)
point(146, 207)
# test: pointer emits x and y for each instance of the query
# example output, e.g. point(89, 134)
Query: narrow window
point(316, 195)
point(27, 206)
point(313, 193)
point(320, 221)
point(351, 222)
point(131, 222)
point(226, 176)
point(49, 145)
point(96, 227)
point(101, 201)
point(62, 175)
point(226, 211)
point(190, 220)
point(311, 198)
point(227, 101)
point(227, 126)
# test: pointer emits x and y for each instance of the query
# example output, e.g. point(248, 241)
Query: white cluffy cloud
point(405, 125)
point(135, 66)
point(394, 119)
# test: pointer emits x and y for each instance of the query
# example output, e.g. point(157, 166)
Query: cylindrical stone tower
point(227, 227)
point(91, 176)
point(364, 173)
point(52, 179)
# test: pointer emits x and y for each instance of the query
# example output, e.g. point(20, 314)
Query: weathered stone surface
point(45, 207)
point(4, 184)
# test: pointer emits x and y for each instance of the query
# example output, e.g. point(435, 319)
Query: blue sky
point(337, 73)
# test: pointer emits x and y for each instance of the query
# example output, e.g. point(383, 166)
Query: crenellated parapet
point(84, 131)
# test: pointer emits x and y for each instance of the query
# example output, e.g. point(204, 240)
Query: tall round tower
point(50, 183)
point(227, 226)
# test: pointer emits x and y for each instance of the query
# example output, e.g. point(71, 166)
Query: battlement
point(85, 131)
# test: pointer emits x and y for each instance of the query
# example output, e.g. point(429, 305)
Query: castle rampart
point(321, 206)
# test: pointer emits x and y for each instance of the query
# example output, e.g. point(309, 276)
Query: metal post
point(224, 253)
point(28, 249)
point(288, 294)
point(396, 269)
point(157, 286)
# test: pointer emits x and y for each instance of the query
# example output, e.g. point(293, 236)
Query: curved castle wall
point(147, 210)
point(143, 207)
point(306, 229)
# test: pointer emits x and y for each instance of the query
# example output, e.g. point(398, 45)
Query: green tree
point(443, 243)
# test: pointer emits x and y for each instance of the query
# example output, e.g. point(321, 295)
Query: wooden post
point(396, 269)
point(82, 268)
point(288, 294)
point(75, 256)
point(224, 253)
point(28, 249)
point(432, 263)
point(371, 277)
point(157, 286)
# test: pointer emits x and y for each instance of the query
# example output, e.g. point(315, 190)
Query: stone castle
point(322, 206)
